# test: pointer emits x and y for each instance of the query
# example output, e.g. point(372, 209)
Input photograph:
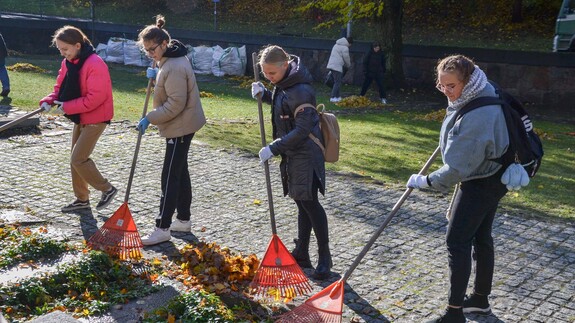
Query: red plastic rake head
point(118, 236)
point(279, 275)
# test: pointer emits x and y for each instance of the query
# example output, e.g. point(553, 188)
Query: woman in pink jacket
point(83, 93)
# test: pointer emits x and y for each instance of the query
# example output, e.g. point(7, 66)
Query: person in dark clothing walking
point(302, 166)
point(374, 69)
point(4, 79)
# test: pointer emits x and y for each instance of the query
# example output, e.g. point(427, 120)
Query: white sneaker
point(333, 100)
point(384, 101)
point(181, 226)
point(157, 236)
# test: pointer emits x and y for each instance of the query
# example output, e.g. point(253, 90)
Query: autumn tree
point(388, 16)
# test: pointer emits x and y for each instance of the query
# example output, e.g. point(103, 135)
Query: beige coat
point(177, 106)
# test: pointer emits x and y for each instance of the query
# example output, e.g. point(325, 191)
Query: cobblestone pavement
point(403, 278)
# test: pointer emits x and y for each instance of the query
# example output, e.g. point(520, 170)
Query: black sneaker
point(476, 304)
point(76, 205)
point(5, 92)
point(107, 197)
point(451, 315)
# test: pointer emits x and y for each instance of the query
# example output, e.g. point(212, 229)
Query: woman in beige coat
point(178, 114)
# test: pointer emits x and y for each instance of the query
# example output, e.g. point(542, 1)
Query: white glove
point(257, 88)
point(59, 109)
point(515, 177)
point(46, 106)
point(265, 154)
point(417, 181)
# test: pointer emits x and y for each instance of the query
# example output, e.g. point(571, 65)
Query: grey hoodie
point(468, 144)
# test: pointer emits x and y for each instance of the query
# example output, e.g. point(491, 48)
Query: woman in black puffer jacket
point(303, 165)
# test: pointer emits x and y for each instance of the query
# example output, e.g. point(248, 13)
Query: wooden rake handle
point(263, 136)
point(144, 112)
point(395, 209)
point(19, 120)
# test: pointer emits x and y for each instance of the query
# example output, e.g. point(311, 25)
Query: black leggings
point(470, 225)
point(312, 215)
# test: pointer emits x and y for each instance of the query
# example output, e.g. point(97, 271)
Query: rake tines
point(279, 275)
point(118, 236)
point(324, 307)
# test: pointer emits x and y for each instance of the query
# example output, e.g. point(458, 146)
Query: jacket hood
point(297, 73)
point(176, 49)
point(342, 41)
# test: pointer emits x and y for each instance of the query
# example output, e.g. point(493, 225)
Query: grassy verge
point(384, 145)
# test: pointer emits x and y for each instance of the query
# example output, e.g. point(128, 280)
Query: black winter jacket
point(374, 63)
point(302, 159)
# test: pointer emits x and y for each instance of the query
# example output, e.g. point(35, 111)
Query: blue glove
point(143, 125)
point(265, 154)
point(417, 181)
point(515, 177)
point(151, 72)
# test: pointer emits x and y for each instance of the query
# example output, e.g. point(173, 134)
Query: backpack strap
point(481, 102)
point(478, 103)
point(300, 108)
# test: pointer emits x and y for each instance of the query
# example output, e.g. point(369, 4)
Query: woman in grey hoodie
point(468, 146)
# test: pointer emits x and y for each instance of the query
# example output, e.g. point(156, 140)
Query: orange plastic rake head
point(324, 307)
point(119, 236)
point(279, 275)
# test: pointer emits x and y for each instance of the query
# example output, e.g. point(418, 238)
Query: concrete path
point(403, 278)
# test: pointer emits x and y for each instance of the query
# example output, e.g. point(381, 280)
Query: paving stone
point(403, 278)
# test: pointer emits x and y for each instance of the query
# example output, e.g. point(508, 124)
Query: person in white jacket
point(338, 60)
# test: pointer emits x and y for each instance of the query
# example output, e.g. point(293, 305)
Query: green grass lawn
point(382, 145)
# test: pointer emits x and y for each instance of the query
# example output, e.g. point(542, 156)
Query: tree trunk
point(391, 31)
point(516, 12)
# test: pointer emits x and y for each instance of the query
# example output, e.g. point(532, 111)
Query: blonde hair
point(273, 54)
point(460, 65)
point(70, 35)
point(154, 33)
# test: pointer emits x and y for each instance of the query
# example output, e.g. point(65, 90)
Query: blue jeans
point(337, 76)
point(470, 225)
point(4, 75)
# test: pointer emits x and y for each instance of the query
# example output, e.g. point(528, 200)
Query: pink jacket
point(96, 104)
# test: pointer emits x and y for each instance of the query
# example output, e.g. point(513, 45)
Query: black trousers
point(176, 183)
point(311, 215)
point(367, 82)
point(471, 225)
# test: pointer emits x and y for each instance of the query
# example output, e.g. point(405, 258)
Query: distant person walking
point(4, 79)
point(374, 69)
point(83, 93)
point(469, 147)
point(339, 60)
point(178, 114)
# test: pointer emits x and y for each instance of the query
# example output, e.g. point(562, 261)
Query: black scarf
point(70, 87)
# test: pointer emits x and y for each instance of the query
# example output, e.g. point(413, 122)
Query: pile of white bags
point(204, 59)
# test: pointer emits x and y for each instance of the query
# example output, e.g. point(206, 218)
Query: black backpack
point(525, 145)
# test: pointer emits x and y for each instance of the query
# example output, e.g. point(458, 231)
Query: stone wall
point(546, 79)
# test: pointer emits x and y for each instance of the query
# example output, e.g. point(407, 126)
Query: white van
point(564, 39)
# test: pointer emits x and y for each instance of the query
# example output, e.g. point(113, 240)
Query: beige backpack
point(329, 129)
